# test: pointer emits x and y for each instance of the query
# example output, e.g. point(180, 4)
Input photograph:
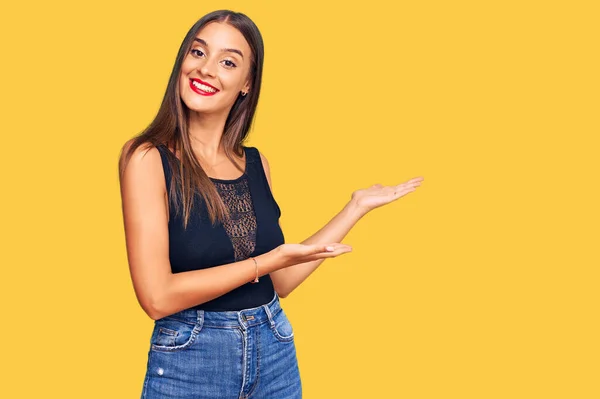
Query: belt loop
point(269, 315)
point(199, 317)
point(242, 320)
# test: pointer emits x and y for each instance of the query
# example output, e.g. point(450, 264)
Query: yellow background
point(481, 284)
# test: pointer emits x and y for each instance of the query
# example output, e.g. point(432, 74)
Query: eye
point(229, 64)
point(198, 51)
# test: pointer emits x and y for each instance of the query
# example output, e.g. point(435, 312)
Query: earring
point(244, 93)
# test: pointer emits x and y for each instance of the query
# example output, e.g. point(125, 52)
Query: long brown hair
point(170, 126)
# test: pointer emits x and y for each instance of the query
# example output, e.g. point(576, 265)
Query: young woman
point(206, 253)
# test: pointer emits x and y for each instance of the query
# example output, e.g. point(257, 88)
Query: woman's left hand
point(377, 195)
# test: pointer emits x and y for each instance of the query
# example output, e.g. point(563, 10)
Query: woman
point(206, 253)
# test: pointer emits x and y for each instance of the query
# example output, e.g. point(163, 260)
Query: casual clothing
point(241, 344)
point(253, 230)
point(197, 354)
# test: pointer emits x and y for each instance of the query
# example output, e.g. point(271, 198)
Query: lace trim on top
point(241, 226)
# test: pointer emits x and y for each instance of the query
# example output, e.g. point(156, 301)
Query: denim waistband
point(245, 317)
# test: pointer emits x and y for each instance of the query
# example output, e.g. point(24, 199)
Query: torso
point(223, 170)
point(252, 230)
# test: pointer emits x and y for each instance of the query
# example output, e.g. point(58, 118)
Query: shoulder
point(256, 155)
point(264, 161)
point(140, 165)
point(142, 151)
point(265, 164)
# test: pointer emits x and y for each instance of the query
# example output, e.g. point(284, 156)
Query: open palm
point(377, 195)
point(291, 254)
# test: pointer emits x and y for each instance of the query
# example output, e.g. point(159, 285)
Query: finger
point(338, 246)
point(325, 255)
point(328, 248)
point(339, 251)
point(319, 248)
point(412, 182)
point(401, 191)
point(408, 185)
point(342, 247)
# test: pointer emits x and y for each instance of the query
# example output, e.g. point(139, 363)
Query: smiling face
point(216, 69)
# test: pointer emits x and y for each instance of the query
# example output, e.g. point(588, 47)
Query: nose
point(207, 68)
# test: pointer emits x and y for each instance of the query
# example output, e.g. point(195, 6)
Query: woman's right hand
point(293, 254)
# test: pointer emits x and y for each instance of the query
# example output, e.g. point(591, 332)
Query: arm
point(159, 291)
point(286, 280)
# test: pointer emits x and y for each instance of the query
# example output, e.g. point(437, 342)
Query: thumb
point(327, 248)
point(320, 248)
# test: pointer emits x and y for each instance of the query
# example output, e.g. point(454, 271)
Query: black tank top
point(252, 230)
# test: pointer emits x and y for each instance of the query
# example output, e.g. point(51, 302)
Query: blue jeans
point(235, 354)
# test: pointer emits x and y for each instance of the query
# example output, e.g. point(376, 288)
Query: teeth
point(203, 87)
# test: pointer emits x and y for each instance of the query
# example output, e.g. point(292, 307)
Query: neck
point(205, 131)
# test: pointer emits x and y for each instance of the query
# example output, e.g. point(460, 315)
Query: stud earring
point(244, 93)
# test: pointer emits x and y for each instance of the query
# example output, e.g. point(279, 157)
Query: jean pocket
point(281, 327)
point(171, 334)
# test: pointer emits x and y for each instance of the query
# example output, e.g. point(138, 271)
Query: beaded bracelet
point(256, 267)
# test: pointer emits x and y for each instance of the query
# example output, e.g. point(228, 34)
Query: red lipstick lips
point(200, 91)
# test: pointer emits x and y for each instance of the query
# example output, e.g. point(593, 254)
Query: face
point(216, 69)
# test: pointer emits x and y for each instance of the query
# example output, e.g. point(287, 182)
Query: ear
point(246, 87)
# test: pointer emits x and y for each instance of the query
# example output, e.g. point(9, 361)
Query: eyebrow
point(231, 50)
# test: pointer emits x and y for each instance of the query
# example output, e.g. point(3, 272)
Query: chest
point(252, 229)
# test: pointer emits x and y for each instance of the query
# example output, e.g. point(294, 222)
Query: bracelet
point(256, 267)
